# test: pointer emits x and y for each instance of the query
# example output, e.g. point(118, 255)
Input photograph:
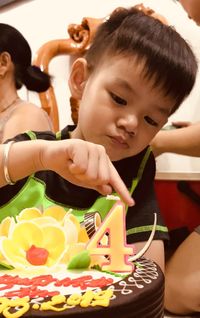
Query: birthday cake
point(53, 266)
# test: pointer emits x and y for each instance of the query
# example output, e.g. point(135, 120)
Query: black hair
point(13, 42)
point(168, 59)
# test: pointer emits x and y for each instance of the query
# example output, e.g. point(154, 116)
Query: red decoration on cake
point(37, 255)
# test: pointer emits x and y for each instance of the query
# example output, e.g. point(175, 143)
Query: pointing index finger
point(120, 188)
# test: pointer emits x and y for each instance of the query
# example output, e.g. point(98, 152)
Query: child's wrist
point(40, 163)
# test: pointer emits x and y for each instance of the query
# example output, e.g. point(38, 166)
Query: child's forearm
point(82, 163)
point(23, 160)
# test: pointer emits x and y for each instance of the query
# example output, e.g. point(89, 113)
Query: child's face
point(119, 109)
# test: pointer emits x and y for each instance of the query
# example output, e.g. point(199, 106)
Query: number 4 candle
point(117, 249)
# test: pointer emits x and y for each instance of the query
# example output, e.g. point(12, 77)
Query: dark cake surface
point(139, 294)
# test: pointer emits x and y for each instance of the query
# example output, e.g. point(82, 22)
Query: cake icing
point(47, 294)
point(47, 270)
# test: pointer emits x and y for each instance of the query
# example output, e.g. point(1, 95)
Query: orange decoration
point(37, 255)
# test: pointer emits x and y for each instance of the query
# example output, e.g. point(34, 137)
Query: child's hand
point(84, 164)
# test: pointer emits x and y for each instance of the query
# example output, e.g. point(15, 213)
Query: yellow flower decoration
point(44, 220)
point(57, 212)
point(73, 250)
point(41, 238)
point(28, 214)
point(30, 239)
point(71, 231)
point(6, 225)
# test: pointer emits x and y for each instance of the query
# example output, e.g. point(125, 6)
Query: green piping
point(140, 172)
point(58, 135)
point(146, 228)
point(31, 134)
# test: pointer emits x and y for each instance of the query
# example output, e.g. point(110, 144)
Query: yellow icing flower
point(70, 231)
point(44, 220)
point(72, 218)
point(6, 225)
point(30, 244)
point(55, 211)
point(72, 251)
point(41, 238)
point(28, 214)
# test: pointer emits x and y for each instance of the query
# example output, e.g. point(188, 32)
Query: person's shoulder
point(31, 115)
point(29, 107)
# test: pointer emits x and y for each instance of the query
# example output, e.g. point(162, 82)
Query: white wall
point(44, 20)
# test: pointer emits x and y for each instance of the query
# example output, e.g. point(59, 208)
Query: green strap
point(58, 135)
point(31, 134)
point(146, 228)
point(140, 170)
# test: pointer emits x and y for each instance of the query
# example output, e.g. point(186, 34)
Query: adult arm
point(183, 141)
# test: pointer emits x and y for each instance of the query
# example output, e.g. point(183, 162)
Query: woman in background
point(17, 115)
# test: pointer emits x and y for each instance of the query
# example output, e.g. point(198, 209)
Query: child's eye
point(150, 121)
point(118, 99)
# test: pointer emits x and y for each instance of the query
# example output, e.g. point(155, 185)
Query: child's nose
point(129, 124)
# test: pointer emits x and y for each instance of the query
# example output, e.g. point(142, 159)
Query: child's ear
point(5, 62)
point(78, 77)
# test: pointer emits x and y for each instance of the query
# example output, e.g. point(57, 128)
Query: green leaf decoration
point(80, 260)
point(4, 266)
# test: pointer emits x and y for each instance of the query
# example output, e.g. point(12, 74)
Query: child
point(135, 74)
